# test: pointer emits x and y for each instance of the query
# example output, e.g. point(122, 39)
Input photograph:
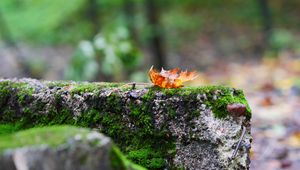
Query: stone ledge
point(60, 147)
point(186, 128)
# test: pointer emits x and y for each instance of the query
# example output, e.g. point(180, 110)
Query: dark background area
point(249, 44)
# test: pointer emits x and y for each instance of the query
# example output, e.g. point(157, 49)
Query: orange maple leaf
point(170, 78)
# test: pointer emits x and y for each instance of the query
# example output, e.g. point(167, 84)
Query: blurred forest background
point(117, 40)
point(249, 44)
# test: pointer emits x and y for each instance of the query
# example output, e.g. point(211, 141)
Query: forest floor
point(272, 87)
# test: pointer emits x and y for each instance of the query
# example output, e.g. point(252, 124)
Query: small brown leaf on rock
point(236, 109)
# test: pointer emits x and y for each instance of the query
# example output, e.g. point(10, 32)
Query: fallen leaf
point(170, 78)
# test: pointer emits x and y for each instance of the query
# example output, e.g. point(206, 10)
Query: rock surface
point(187, 128)
point(80, 149)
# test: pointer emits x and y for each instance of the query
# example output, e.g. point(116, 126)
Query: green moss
point(107, 114)
point(7, 128)
point(119, 161)
point(225, 96)
point(59, 83)
point(4, 92)
point(24, 94)
point(8, 116)
point(150, 95)
point(111, 125)
point(152, 151)
point(82, 88)
point(93, 87)
point(147, 156)
point(22, 90)
point(171, 112)
point(51, 136)
point(89, 119)
point(56, 117)
point(219, 106)
point(114, 100)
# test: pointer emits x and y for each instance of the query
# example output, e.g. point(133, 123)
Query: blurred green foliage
point(282, 39)
point(111, 53)
point(110, 36)
point(45, 21)
point(57, 21)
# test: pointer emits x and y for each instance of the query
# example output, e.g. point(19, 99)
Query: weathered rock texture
point(186, 128)
point(60, 148)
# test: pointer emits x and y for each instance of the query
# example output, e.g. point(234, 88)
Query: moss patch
point(218, 97)
point(134, 139)
point(84, 87)
point(120, 162)
point(51, 136)
point(8, 129)
point(22, 90)
point(147, 156)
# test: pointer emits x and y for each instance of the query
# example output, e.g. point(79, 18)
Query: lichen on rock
point(187, 128)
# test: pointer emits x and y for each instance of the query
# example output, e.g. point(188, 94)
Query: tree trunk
point(156, 37)
point(266, 22)
point(93, 17)
point(129, 13)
